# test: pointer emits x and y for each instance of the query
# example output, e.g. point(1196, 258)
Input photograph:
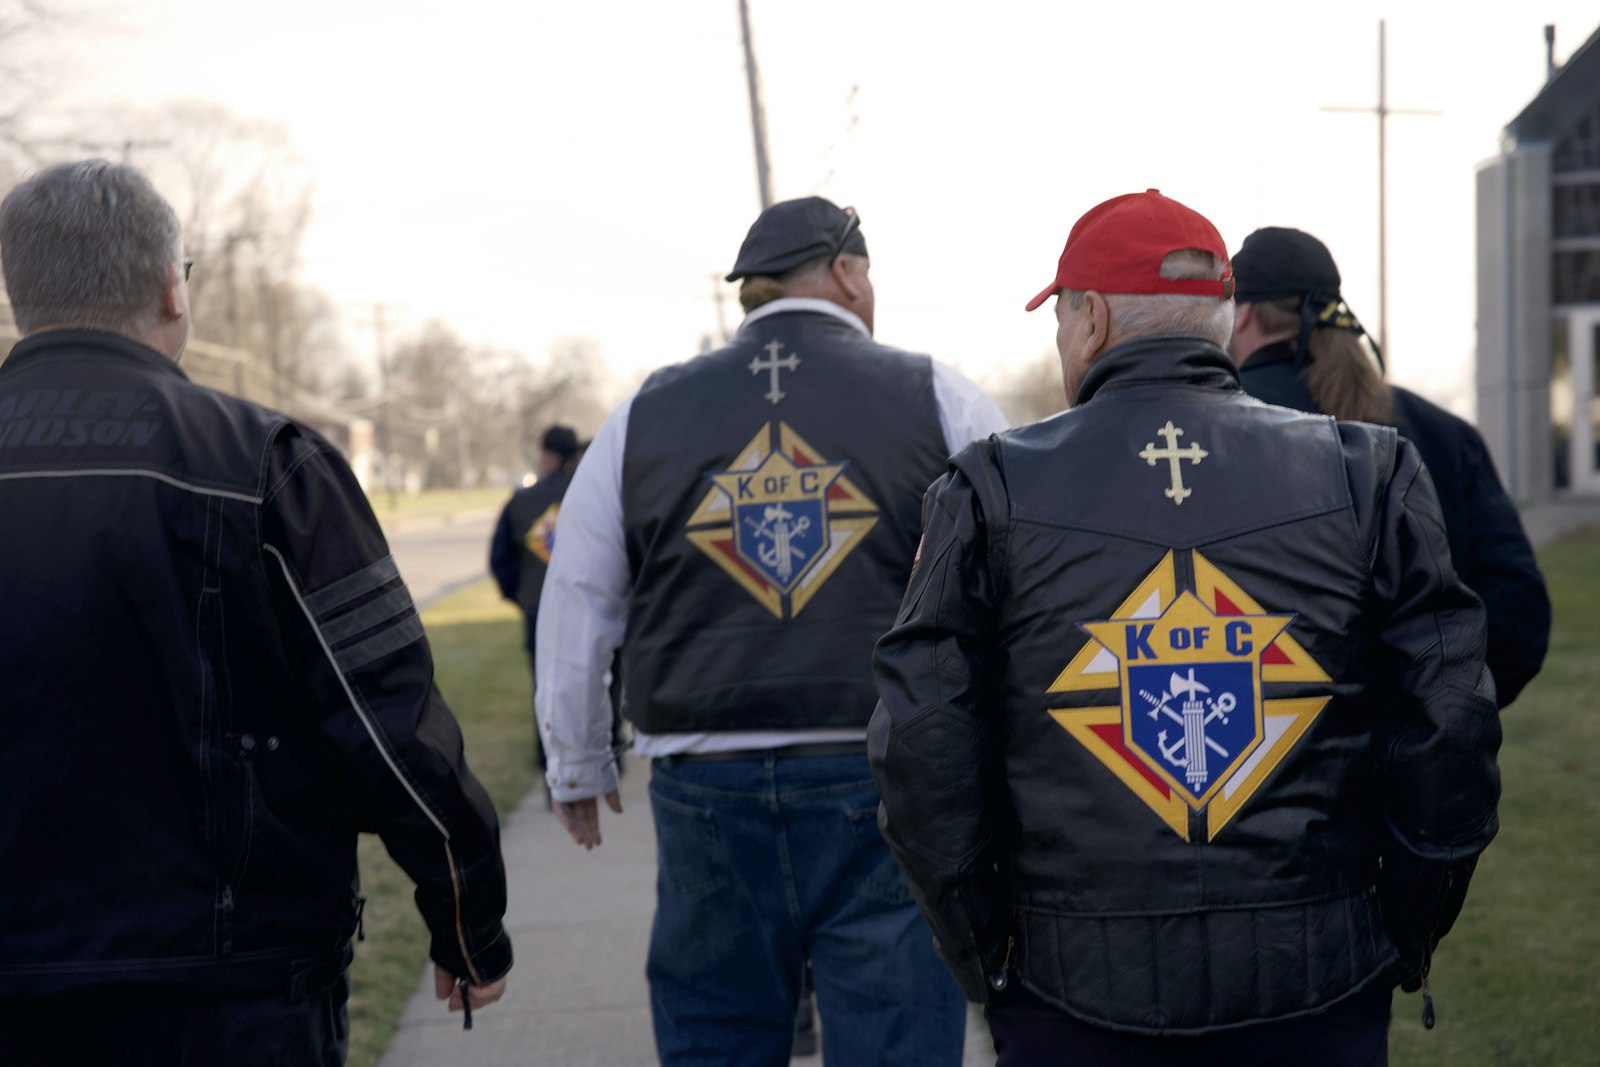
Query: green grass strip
point(483, 672)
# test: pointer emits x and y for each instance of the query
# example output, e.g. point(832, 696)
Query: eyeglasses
point(852, 224)
point(188, 265)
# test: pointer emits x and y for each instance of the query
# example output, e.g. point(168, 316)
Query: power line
point(1383, 111)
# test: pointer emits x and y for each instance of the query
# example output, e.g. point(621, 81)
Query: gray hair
point(87, 244)
point(1143, 316)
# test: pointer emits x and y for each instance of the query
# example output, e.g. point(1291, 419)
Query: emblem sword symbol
point(774, 365)
point(1173, 455)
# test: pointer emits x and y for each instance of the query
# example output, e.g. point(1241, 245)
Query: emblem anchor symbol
point(1194, 718)
point(781, 553)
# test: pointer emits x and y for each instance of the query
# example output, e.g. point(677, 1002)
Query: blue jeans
point(761, 865)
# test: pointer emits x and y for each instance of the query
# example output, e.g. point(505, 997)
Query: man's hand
point(447, 987)
point(582, 817)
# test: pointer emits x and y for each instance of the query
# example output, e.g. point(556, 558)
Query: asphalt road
point(439, 556)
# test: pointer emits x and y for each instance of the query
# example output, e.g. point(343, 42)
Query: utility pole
point(718, 294)
point(1383, 111)
point(758, 119)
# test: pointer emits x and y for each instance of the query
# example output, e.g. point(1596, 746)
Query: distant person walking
point(525, 536)
point(742, 528)
point(211, 680)
point(1299, 345)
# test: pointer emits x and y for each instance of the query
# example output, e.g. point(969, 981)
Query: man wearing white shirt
point(742, 528)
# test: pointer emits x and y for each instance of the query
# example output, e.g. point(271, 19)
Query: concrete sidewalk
point(581, 925)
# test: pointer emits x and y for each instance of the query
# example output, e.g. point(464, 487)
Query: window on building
point(1577, 210)
point(1592, 403)
point(1561, 407)
point(1580, 149)
point(1575, 277)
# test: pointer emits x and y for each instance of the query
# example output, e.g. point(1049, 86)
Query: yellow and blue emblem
point(781, 519)
point(541, 536)
point(780, 516)
point(1191, 731)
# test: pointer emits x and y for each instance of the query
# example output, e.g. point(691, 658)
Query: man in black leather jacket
point(1186, 745)
point(211, 679)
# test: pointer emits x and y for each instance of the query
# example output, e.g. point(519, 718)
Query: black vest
point(771, 498)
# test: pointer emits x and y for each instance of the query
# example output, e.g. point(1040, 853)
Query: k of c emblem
point(781, 519)
point(541, 536)
point(1191, 730)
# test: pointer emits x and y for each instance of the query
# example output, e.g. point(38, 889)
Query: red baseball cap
point(1118, 247)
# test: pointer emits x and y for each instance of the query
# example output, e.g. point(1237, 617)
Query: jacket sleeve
point(929, 744)
point(1437, 729)
point(354, 641)
point(503, 556)
point(1499, 566)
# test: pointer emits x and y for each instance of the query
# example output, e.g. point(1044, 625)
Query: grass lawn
point(483, 673)
point(435, 502)
point(1517, 982)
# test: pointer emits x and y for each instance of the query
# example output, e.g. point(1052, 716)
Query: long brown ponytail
point(1338, 373)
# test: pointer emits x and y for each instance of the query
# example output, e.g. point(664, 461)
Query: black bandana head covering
point(1279, 263)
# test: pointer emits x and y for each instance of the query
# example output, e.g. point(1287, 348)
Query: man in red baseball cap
point(1185, 743)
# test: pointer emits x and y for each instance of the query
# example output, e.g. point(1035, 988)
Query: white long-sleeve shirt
point(583, 608)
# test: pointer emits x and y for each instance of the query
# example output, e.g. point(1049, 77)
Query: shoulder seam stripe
point(130, 472)
point(366, 720)
point(380, 644)
point(351, 586)
point(386, 608)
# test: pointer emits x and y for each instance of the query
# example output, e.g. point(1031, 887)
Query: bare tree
point(565, 389)
point(1032, 391)
point(24, 24)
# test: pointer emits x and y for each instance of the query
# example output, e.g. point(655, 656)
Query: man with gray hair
point(1186, 745)
point(213, 680)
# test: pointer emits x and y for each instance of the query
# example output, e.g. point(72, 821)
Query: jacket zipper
point(1002, 978)
point(226, 908)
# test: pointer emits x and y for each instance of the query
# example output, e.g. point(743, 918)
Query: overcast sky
point(533, 170)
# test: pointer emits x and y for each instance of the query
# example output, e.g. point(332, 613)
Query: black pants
point(149, 1026)
point(1353, 1033)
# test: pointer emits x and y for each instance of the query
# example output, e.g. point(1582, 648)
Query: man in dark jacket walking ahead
point(1186, 744)
point(211, 680)
point(525, 536)
point(1299, 345)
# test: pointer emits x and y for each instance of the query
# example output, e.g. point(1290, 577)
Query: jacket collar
point(41, 347)
point(1175, 358)
point(805, 303)
point(1277, 352)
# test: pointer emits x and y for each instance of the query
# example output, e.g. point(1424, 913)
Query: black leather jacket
point(1150, 723)
point(211, 678)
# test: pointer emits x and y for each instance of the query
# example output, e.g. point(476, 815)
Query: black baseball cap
point(794, 232)
point(1277, 262)
point(562, 440)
